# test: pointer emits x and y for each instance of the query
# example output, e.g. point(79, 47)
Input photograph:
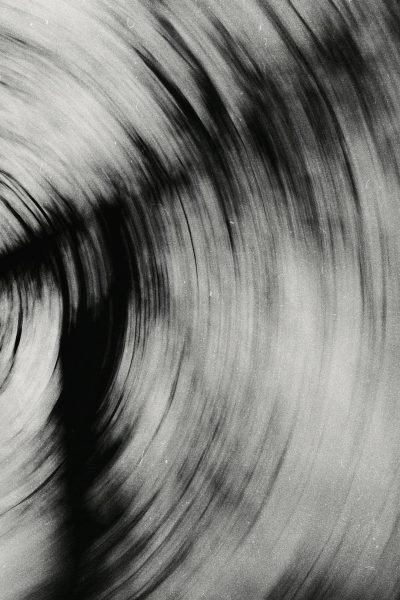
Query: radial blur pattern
point(199, 300)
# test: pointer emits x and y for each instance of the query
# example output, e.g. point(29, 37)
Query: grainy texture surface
point(199, 300)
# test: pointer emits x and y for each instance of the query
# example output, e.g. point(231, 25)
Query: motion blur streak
point(199, 290)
